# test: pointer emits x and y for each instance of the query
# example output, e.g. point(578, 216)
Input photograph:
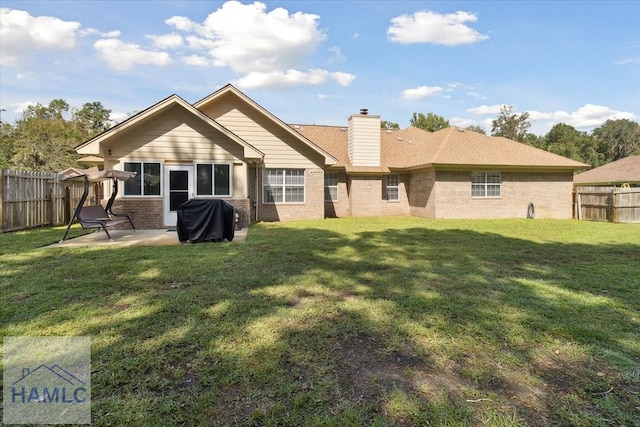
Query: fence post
point(66, 204)
point(614, 207)
point(579, 204)
point(2, 197)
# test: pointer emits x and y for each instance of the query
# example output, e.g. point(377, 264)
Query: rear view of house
point(227, 146)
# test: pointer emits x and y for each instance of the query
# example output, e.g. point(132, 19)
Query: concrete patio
point(136, 238)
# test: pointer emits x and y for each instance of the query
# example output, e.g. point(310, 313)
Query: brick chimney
point(364, 139)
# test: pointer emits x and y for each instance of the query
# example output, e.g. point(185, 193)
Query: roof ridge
point(442, 143)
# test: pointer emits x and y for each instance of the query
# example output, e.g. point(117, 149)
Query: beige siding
point(175, 135)
point(364, 140)
point(281, 149)
point(550, 194)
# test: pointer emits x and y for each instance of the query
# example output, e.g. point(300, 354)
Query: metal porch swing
point(97, 216)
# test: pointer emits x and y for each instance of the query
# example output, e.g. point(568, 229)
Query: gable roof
point(230, 89)
point(621, 171)
point(414, 148)
point(92, 146)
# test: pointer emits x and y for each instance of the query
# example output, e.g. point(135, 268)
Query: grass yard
point(347, 322)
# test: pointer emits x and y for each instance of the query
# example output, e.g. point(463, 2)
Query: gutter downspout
point(257, 192)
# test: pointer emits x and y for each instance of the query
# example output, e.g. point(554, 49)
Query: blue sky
point(317, 62)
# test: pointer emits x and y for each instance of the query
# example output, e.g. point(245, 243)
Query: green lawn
point(394, 321)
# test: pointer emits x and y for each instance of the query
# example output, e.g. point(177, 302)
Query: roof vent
point(364, 111)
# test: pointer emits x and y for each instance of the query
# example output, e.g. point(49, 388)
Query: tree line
point(44, 138)
point(613, 140)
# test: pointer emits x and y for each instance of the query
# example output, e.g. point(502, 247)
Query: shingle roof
point(414, 148)
point(621, 171)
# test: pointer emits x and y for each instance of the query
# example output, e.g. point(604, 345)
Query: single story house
point(625, 171)
point(228, 146)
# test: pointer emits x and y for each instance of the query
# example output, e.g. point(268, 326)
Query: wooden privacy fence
point(33, 199)
point(612, 204)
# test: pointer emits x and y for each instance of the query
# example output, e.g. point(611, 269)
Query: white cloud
point(196, 60)
point(343, 79)
point(462, 122)
point(484, 110)
point(116, 117)
point(123, 56)
point(197, 43)
point(166, 41)
point(249, 39)
point(421, 92)
point(431, 27)
point(19, 107)
point(267, 48)
point(292, 78)
point(626, 61)
point(476, 95)
point(338, 56)
point(181, 23)
point(587, 116)
point(23, 34)
point(93, 32)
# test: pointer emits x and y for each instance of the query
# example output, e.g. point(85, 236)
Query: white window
point(486, 184)
point(283, 186)
point(213, 179)
point(330, 187)
point(391, 187)
point(147, 179)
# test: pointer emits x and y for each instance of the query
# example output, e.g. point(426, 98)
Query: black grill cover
point(205, 221)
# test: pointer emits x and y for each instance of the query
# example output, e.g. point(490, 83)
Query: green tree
point(6, 145)
point(431, 122)
point(534, 140)
point(567, 141)
point(476, 128)
point(44, 137)
point(511, 125)
point(617, 139)
point(43, 140)
point(384, 124)
point(92, 119)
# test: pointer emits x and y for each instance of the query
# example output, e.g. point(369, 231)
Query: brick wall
point(341, 207)
point(550, 194)
point(146, 213)
point(421, 194)
point(365, 195)
point(313, 208)
point(401, 206)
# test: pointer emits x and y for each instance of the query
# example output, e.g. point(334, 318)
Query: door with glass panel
point(178, 188)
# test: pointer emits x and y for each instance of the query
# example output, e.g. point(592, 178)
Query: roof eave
point(93, 146)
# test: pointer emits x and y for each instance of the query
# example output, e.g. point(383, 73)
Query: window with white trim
point(330, 187)
point(283, 186)
point(147, 179)
point(213, 179)
point(486, 184)
point(392, 187)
